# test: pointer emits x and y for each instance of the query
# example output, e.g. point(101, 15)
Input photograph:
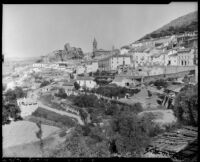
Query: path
point(61, 112)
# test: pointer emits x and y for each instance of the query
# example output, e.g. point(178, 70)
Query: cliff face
point(63, 55)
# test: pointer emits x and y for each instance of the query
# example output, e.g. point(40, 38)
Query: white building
point(27, 106)
point(11, 85)
point(87, 82)
point(124, 50)
point(80, 69)
point(113, 62)
point(159, 59)
point(93, 67)
point(141, 58)
point(186, 57)
point(39, 65)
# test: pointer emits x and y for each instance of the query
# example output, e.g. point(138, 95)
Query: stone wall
point(177, 69)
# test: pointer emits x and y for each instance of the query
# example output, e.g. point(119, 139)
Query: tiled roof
point(85, 78)
point(119, 79)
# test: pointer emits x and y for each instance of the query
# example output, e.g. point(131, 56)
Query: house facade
point(141, 58)
point(112, 63)
point(87, 82)
point(27, 106)
point(186, 57)
point(92, 67)
point(80, 69)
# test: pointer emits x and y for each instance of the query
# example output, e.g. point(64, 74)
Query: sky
point(36, 30)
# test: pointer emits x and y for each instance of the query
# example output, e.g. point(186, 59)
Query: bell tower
point(94, 45)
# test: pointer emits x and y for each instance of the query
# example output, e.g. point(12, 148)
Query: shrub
point(62, 134)
point(61, 93)
point(76, 85)
point(44, 83)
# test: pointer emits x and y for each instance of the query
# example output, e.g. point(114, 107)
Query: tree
point(186, 105)
point(39, 136)
point(61, 93)
point(44, 83)
point(10, 107)
point(129, 134)
point(83, 114)
point(149, 93)
point(76, 85)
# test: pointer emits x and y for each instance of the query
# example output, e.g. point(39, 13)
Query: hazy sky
point(35, 30)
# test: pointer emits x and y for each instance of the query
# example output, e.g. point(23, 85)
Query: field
point(33, 149)
point(22, 132)
point(49, 115)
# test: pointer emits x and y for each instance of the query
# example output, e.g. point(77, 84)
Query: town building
point(27, 106)
point(101, 53)
point(159, 59)
point(112, 62)
point(172, 58)
point(87, 82)
point(68, 86)
point(80, 69)
point(141, 59)
point(92, 67)
point(125, 50)
point(186, 57)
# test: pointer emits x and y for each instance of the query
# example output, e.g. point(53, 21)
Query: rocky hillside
point(63, 55)
point(186, 23)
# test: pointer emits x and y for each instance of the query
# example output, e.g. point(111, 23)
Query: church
point(101, 53)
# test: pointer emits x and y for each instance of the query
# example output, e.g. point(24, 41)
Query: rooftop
point(85, 78)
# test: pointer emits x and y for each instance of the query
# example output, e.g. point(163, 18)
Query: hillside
point(186, 23)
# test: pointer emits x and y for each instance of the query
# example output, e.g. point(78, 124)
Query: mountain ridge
point(188, 22)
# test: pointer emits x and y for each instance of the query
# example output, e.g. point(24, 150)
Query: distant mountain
point(63, 55)
point(186, 23)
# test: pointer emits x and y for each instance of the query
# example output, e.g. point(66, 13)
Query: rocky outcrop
point(63, 55)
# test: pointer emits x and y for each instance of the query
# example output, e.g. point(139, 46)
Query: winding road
point(78, 118)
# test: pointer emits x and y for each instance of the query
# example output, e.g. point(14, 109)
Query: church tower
point(94, 45)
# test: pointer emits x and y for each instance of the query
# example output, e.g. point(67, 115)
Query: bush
point(44, 83)
point(61, 93)
point(62, 134)
point(113, 90)
point(85, 100)
point(76, 85)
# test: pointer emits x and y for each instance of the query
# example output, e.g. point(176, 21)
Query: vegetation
point(76, 85)
point(149, 93)
point(159, 83)
point(49, 115)
point(61, 93)
point(114, 91)
point(186, 105)
point(10, 107)
point(44, 83)
point(102, 81)
point(39, 136)
point(126, 134)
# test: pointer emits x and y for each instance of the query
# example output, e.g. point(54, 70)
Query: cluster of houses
point(151, 57)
